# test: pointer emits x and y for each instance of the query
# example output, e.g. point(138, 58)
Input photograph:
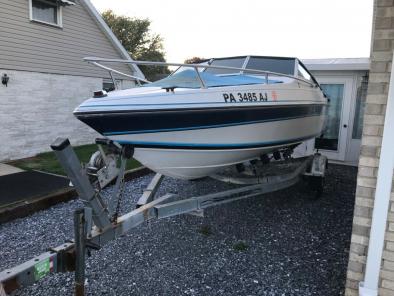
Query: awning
point(66, 2)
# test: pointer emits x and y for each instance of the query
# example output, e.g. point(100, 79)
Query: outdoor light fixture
point(4, 79)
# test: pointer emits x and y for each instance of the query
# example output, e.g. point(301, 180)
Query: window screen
point(45, 11)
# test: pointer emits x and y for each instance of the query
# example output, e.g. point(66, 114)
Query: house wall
point(37, 107)
point(381, 59)
point(36, 47)
point(48, 78)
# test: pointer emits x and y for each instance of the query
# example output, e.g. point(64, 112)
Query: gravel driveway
point(284, 243)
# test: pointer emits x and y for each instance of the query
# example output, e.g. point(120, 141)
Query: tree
point(195, 60)
point(140, 43)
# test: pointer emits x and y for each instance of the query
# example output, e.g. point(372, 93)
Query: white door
point(333, 143)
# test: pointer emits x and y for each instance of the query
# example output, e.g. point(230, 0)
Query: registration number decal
point(245, 97)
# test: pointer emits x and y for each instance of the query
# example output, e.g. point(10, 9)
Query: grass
point(240, 246)
point(47, 161)
point(205, 230)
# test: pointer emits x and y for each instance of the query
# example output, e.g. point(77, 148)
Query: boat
point(208, 116)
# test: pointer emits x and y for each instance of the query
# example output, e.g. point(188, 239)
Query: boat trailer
point(99, 222)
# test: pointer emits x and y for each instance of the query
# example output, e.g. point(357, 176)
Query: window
point(331, 135)
point(360, 106)
point(278, 65)
point(46, 11)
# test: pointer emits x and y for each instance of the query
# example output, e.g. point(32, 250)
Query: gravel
point(284, 243)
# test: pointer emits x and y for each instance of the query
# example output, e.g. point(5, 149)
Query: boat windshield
point(188, 78)
point(270, 64)
point(236, 62)
point(277, 65)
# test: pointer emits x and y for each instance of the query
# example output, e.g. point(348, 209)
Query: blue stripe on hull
point(184, 104)
point(201, 127)
point(203, 146)
point(129, 122)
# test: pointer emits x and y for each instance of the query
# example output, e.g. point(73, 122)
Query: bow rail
point(111, 71)
point(96, 61)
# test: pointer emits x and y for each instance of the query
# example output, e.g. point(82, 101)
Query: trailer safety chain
point(120, 189)
point(256, 174)
point(126, 153)
point(115, 216)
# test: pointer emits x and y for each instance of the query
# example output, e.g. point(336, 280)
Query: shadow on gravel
point(284, 243)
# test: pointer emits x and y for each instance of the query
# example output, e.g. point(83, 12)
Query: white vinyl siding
point(31, 46)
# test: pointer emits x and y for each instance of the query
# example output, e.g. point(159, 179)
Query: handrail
point(195, 66)
point(138, 79)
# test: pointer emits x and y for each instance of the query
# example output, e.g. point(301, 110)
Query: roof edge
point(337, 64)
point(110, 35)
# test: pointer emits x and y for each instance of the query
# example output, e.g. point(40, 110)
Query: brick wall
point(36, 108)
point(381, 55)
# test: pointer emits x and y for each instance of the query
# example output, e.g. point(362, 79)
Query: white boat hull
point(257, 139)
point(192, 133)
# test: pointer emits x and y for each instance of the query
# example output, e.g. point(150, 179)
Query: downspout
point(382, 198)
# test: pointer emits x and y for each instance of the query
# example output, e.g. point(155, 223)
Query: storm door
point(333, 142)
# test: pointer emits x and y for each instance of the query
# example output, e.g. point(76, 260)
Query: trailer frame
point(95, 225)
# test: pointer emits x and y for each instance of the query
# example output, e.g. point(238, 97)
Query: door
point(333, 143)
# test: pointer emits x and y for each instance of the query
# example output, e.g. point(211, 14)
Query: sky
point(220, 28)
